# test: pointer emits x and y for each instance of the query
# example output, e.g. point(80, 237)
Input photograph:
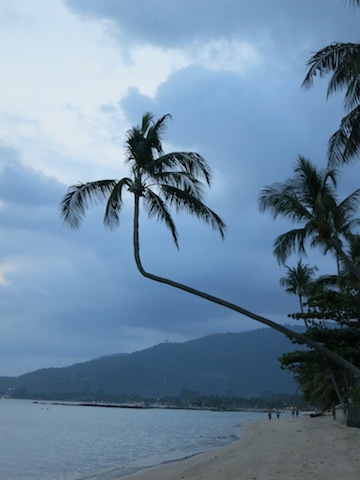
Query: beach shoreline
point(278, 449)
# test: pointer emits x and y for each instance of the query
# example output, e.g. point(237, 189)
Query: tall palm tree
point(297, 280)
point(309, 199)
point(159, 180)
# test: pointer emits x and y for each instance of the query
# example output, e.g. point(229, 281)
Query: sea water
point(71, 442)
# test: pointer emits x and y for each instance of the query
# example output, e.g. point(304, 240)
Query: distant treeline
point(187, 398)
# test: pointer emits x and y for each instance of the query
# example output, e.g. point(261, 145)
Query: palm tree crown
point(306, 198)
point(343, 61)
point(309, 199)
point(297, 280)
point(159, 180)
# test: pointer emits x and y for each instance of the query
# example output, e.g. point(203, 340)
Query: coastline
point(277, 449)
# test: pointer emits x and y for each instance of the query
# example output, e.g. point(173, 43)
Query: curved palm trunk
point(280, 328)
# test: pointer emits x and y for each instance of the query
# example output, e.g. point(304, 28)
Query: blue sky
point(76, 75)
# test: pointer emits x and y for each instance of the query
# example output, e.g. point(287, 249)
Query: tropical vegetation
point(160, 181)
point(297, 281)
point(309, 200)
point(332, 317)
point(342, 61)
point(331, 311)
point(329, 305)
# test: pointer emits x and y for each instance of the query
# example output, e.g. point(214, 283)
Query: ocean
point(71, 442)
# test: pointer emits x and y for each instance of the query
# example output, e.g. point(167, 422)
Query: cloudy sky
point(75, 76)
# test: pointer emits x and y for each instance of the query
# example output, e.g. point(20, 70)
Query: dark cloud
point(71, 296)
point(81, 295)
point(171, 24)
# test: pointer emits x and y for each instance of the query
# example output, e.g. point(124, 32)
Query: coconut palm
point(309, 200)
point(342, 60)
point(297, 280)
point(159, 181)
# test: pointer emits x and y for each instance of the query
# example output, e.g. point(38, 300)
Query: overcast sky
point(75, 76)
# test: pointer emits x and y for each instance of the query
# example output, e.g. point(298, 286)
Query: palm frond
point(344, 144)
point(350, 205)
point(280, 199)
point(310, 182)
point(352, 95)
point(297, 197)
point(349, 227)
point(143, 143)
point(114, 204)
point(80, 196)
point(190, 162)
point(182, 199)
point(155, 132)
point(146, 121)
point(290, 242)
point(332, 58)
point(181, 180)
point(156, 207)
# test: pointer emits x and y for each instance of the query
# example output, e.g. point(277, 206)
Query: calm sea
point(68, 442)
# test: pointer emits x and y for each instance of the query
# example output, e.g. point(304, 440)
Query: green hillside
point(241, 364)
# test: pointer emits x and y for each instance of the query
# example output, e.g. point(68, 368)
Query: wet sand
point(289, 448)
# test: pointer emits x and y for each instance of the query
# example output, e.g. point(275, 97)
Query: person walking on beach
point(269, 414)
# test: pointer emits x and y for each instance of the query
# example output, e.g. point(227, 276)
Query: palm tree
point(309, 199)
point(297, 280)
point(343, 61)
point(159, 180)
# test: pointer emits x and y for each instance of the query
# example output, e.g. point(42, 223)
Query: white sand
point(302, 448)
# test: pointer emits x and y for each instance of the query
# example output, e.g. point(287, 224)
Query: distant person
point(333, 411)
point(269, 414)
point(297, 411)
point(278, 414)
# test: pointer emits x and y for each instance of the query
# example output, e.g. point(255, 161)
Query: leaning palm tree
point(297, 280)
point(160, 181)
point(309, 200)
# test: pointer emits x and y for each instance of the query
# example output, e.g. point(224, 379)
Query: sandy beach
point(289, 448)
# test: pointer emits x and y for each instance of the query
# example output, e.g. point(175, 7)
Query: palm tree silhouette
point(310, 200)
point(342, 61)
point(160, 180)
point(297, 280)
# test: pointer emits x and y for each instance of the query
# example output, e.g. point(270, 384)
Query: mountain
point(242, 364)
